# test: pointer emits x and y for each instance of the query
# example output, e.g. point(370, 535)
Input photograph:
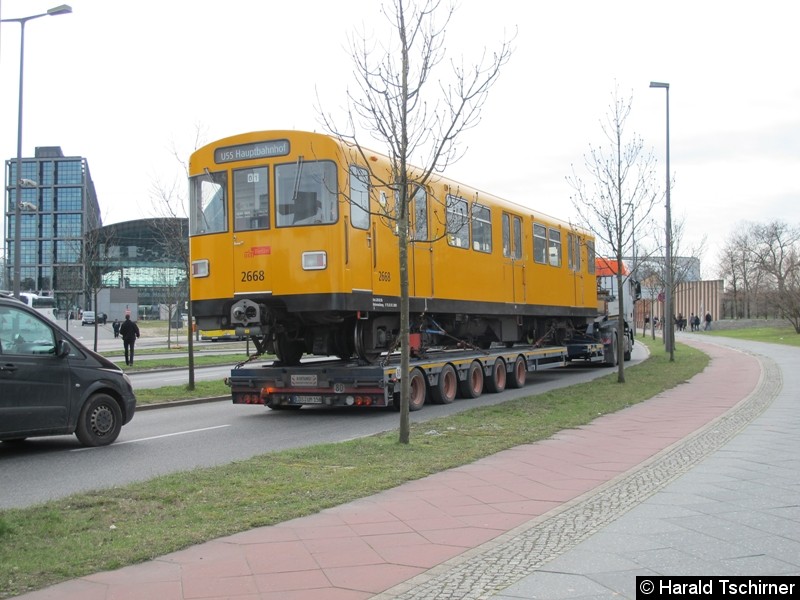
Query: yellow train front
point(293, 236)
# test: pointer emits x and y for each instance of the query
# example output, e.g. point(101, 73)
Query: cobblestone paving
point(480, 573)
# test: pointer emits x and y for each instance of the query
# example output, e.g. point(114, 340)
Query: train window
point(540, 243)
point(457, 219)
point(421, 214)
point(506, 236)
point(512, 246)
point(573, 252)
point(517, 237)
point(208, 202)
point(251, 199)
point(590, 256)
point(554, 249)
point(359, 197)
point(306, 193)
point(481, 228)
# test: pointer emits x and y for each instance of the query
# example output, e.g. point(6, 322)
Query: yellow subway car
point(289, 238)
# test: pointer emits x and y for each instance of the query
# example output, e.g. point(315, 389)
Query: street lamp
point(58, 10)
point(669, 332)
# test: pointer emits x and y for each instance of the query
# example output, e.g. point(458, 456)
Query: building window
point(69, 172)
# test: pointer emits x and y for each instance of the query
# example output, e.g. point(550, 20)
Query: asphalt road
point(182, 438)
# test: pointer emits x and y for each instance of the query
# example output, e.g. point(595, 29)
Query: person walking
point(115, 326)
point(708, 321)
point(130, 332)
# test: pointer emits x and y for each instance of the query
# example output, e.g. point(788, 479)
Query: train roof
point(462, 190)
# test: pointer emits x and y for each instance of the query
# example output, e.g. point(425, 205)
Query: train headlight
point(200, 268)
point(315, 261)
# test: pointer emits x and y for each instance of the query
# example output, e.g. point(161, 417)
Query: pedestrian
point(129, 331)
point(115, 326)
point(708, 321)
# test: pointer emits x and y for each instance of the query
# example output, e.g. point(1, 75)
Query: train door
point(421, 248)
point(358, 234)
point(385, 254)
point(251, 214)
point(513, 265)
point(574, 264)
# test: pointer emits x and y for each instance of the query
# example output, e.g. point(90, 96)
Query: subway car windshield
point(208, 202)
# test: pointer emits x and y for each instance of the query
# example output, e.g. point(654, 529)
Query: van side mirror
point(63, 349)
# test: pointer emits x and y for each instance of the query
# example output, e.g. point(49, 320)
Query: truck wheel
point(444, 392)
point(628, 346)
point(611, 353)
point(519, 374)
point(100, 421)
point(472, 386)
point(496, 383)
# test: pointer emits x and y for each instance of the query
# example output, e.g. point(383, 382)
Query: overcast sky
point(126, 83)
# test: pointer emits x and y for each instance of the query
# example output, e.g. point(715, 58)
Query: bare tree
point(619, 195)
point(776, 250)
point(414, 116)
point(173, 238)
point(737, 268)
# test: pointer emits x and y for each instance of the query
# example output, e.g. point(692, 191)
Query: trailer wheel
point(472, 386)
point(496, 383)
point(518, 374)
point(419, 388)
point(444, 392)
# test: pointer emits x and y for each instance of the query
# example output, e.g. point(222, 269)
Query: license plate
point(308, 399)
point(304, 380)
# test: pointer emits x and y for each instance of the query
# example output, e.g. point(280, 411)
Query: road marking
point(156, 437)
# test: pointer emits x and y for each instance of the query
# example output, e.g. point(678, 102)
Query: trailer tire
point(496, 382)
point(444, 392)
point(419, 388)
point(472, 386)
point(519, 374)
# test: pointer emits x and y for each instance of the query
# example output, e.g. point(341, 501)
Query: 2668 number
point(252, 275)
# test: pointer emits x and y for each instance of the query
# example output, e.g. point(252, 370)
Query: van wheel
point(100, 421)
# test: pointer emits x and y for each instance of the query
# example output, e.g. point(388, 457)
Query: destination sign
point(251, 151)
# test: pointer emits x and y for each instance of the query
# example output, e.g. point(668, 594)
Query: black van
point(50, 384)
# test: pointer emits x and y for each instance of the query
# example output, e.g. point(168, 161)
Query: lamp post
point(55, 11)
point(669, 331)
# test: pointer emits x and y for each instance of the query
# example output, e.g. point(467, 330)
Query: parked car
point(51, 384)
point(88, 317)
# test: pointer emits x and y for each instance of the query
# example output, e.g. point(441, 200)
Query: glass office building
point(58, 205)
point(64, 249)
point(149, 255)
